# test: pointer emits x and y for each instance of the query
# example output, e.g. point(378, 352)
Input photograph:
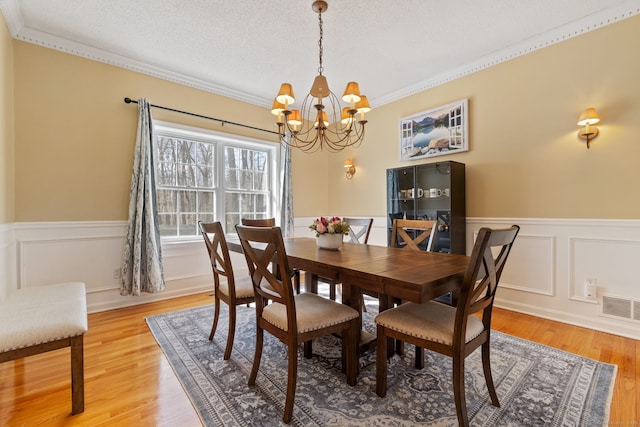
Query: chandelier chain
point(320, 68)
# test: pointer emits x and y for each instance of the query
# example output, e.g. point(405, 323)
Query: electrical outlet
point(590, 287)
point(116, 273)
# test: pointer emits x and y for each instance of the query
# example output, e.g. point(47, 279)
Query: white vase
point(329, 241)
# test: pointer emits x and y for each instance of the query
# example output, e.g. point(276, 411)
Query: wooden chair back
point(259, 222)
point(359, 229)
point(482, 276)
point(233, 292)
point(271, 222)
point(214, 239)
point(404, 229)
point(261, 247)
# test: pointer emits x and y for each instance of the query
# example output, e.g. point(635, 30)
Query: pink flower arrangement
point(333, 225)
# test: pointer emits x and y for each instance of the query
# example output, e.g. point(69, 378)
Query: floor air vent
point(619, 307)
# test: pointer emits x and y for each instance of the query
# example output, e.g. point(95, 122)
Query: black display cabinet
point(433, 191)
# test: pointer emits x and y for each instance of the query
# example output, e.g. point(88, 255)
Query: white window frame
point(220, 141)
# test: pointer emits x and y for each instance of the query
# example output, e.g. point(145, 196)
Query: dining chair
point(359, 230)
point(453, 331)
point(233, 291)
point(416, 234)
point(292, 318)
point(271, 222)
point(259, 222)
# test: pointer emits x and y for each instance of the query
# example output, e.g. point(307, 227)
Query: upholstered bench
point(44, 318)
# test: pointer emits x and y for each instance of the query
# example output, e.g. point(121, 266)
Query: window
point(206, 176)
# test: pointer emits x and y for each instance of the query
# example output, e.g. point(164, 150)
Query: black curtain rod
point(129, 101)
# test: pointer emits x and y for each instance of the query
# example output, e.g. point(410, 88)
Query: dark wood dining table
point(390, 272)
point(398, 273)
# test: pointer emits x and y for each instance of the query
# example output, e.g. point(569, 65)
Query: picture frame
point(435, 132)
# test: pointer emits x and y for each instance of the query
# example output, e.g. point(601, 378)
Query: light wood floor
point(129, 382)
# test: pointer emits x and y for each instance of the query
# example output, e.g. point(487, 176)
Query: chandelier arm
point(333, 137)
point(304, 138)
point(348, 140)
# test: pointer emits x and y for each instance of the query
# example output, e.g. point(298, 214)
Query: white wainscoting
point(91, 252)
point(544, 276)
point(551, 261)
point(7, 261)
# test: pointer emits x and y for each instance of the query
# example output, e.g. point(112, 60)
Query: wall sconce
point(349, 168)
point(588, 118)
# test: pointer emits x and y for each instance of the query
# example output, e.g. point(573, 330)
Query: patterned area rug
point(536, 385)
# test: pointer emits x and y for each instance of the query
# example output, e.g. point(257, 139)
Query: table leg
point(350, 297)
point(311, 282)
point(386, 302)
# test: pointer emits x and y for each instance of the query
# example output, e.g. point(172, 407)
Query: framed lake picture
point(442, 130)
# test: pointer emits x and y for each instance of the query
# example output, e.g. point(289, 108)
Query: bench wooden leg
point(77, 374)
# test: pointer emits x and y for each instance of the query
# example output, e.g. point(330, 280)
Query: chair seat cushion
point(430, 321)
point(244, 287)
point(313, 312)
point(43, 314)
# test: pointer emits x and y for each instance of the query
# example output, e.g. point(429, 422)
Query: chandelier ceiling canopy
point(322, 122)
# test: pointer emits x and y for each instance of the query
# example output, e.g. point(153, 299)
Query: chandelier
point(321, 122)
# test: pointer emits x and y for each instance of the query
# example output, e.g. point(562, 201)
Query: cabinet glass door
point(435, 180)
point(400, 194)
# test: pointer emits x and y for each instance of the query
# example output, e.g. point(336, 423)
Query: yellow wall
point(525, 159)
point(6, 126)
point(74, 135)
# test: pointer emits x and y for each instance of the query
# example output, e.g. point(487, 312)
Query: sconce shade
point(589, 116)
point(285, 94)
point(351, 93)
point(349, 169)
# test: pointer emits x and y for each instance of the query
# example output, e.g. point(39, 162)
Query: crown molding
point(15, 24)
point(12, 16)
point(560, 34)
point(64, 45)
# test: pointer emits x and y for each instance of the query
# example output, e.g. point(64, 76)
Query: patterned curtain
point(142, 263)
point(286, 197)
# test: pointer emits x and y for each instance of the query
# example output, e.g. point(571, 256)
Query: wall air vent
point(636, 310)
point(617, 307)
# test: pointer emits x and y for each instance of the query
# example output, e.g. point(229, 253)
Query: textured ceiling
point(246, 48)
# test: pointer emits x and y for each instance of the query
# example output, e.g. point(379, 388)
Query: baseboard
point(589, 322)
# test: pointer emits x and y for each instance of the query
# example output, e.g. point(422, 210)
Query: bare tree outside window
point(209, 180)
